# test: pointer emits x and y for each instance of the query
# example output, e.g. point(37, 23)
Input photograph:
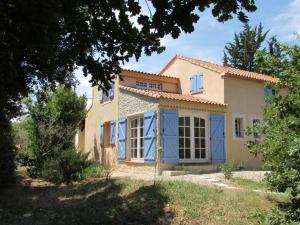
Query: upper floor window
point(197, 83)
point(141, 84)
point(148, 85)
point(109, 96)
point(239, 124)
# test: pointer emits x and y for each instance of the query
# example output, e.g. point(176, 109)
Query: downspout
point(157, 158)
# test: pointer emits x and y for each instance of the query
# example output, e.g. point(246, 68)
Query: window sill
point(106, 102)
point(197, 92)
point(239, 139)
point(194, 161)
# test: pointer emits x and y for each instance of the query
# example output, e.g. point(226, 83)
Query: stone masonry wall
point(131, 103)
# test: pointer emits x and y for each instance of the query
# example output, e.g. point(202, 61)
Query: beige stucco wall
point(100, 113)
point(213, 82)
point(245, 98)
point(81, 139)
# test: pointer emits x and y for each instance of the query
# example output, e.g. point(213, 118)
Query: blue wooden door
point(149, 136)
point(122, 139)
point(169, 135)
point(217, 138)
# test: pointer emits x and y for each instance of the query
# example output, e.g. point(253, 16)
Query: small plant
point(108, 172)
point(228, 169)
point(65, 167)
point(94, 170)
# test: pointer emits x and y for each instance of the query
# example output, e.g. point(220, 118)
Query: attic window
point(146, 85)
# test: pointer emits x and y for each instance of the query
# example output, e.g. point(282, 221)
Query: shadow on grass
point(98, 202)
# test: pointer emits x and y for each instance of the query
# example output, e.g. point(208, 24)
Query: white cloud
point(288, 22)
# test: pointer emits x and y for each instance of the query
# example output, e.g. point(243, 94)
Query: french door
point(192, 138)
point(137, 138)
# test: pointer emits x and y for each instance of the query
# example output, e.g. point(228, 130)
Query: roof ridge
point(229, 70)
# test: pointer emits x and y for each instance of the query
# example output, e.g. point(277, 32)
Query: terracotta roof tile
point(226, 70)
point(169, 95)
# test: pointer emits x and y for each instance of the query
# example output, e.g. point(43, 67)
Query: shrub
point(68, 166)
point(93, 170)
point(227, 169)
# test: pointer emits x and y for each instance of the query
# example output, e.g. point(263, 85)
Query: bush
point(94, 170)
point(227, 169)
point(68, 166)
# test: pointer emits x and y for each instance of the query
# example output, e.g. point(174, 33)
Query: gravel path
point(210, 179)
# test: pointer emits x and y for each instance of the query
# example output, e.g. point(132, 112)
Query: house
point(193, 113)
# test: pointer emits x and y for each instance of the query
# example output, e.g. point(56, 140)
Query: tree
point(269, 61)
point(42, 42)
point(241, 52)
point(54, 120)
point(280, 145)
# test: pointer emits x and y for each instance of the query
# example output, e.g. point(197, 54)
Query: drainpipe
point(158, 141)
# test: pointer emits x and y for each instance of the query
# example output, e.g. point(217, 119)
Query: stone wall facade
point(131, 103)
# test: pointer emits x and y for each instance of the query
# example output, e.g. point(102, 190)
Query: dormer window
point(148, 85)
point(196, 83)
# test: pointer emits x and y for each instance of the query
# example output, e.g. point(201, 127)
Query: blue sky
point(281, 17)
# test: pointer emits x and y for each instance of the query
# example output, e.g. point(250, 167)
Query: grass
point(125, 201)
point(249, 184)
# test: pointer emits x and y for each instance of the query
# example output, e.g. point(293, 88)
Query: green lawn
point(124, 201)
point(249, 184)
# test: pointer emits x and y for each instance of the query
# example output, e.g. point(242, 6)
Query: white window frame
point(141, 84)
point(139, 118)
point(205, 116)
point(252, 118)
point(243, 117)
point(148, 85)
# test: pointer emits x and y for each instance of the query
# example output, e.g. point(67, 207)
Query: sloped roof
point(226, 70)
point(169, 95)
point(150, 74)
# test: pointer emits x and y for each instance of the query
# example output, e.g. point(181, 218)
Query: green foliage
point(93, 170)
point(66, 167)
point(241, 52)
point(24, 154)
point(227, 169)
point(55, 116)
point(280, 145)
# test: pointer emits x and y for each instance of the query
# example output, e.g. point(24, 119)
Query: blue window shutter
point(193, 84)
point(101, 96)
point(150, 135)
point(111, 91)
point(112, 132)
point(102, 134)
point(197, 79)
point(200, 82)
point(268, 91)
point(169, 135)
point(122, 138)
point(217, 141)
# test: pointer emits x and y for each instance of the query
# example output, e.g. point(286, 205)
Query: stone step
point(173, 172)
